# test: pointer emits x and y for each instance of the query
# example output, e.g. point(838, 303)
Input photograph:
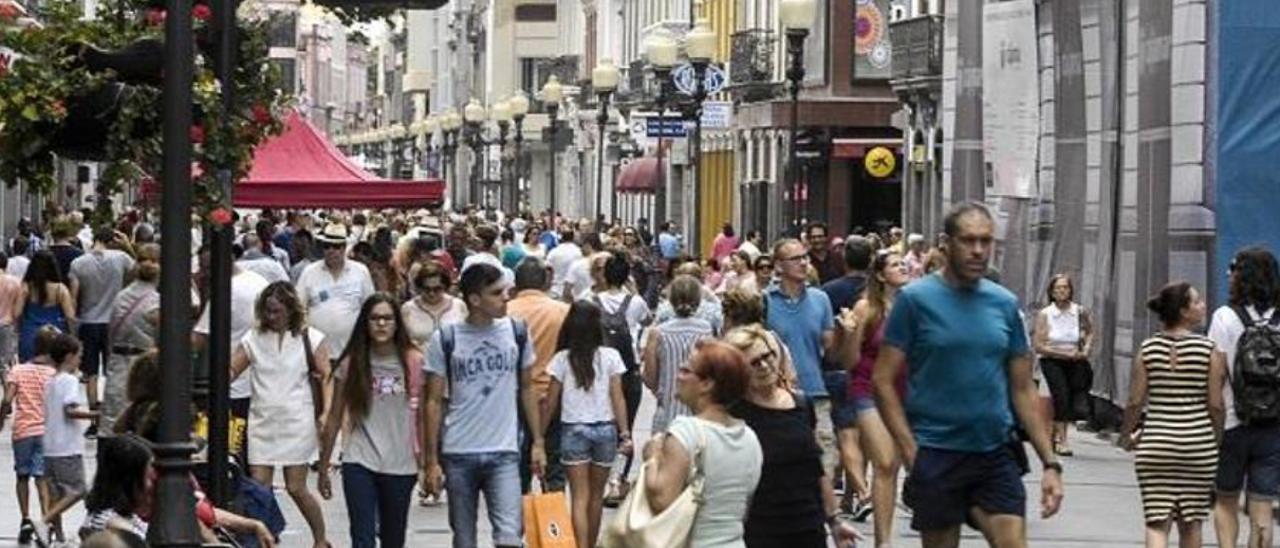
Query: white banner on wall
point(1010, 97)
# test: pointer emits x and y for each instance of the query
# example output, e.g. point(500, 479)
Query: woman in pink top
point(726, 242)
point(889, 275)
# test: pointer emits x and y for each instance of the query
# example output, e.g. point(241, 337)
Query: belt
point(128, 350)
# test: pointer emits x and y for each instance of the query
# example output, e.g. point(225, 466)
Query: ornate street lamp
point(604, 79)
point(700, 47)
point(552, 93)
point(662, 53)
point(450, 124)
point(519, 109)
point(797, 17)
point(474, 114)
point(501, 112)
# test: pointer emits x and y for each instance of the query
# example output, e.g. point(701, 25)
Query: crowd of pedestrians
point(474, 356)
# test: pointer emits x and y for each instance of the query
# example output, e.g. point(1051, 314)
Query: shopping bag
point(547, 523)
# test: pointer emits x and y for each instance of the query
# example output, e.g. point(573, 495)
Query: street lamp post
point(174, 522)
point(797, 17)
point(475, 115)
point(503, 115)
point(604, 79)
point(662, 53)
point(450, 123)
point(552, 93)
point(519, 109)
point(700, 47)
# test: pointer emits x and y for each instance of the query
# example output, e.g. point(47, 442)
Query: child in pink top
point(24, 388)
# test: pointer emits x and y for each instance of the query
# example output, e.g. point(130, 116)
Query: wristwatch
point(1053, 465)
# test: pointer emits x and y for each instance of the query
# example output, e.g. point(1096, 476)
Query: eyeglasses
point(764, 360)
point(794, 258)
point(381, 318)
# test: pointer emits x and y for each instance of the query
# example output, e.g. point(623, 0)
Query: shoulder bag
point(314, 378)
point(636, 526)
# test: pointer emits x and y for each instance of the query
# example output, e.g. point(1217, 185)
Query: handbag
point(314, 379)
point(636, 526)
point(547, 523)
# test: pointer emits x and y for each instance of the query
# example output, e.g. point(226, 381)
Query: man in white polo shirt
point(334, 289)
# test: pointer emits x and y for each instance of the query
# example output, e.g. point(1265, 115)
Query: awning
point(642, 175)
point(300, 168)
point(858, 147)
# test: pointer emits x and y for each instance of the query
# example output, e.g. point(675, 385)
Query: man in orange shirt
point(544, 316)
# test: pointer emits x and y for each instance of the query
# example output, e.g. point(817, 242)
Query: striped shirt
point(28, 380)
point(676, 339)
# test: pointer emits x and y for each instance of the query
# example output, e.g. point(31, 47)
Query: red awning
point(641, 175)
point(300, 168)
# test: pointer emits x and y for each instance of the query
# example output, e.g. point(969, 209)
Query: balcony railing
point(917, 47)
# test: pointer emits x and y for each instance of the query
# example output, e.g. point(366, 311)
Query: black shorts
point(95, 349)
point(944, 485)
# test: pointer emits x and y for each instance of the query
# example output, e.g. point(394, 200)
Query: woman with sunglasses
point(433, 306)
point(375, 390)
point(763, 267)
point(888, 275)
point(794, 504)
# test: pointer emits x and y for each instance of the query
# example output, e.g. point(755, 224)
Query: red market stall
point(301, 169)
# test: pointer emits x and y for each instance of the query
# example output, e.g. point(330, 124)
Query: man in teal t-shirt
point(969, 371)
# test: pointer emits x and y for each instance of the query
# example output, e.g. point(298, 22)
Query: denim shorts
point(863, 404)
point(1252, 453)
point(843, 414)
point(943, 485)
point(595, 443)
point(28, 457)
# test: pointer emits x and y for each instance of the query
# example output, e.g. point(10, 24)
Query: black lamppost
point(797, 17)
point(662, 53)
point(475, 116)
point(519, 109)
point(450, 124)
point(501, 112)
point(174, 522)
point(700, 47)
point(604, 79)
point(552, 93)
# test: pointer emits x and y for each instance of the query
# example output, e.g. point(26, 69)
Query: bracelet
point(1053, 465)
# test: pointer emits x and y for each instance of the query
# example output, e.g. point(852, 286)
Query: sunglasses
point(764, 266)
point(331, 245)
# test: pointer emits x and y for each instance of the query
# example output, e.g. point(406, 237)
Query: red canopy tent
point(300, 168)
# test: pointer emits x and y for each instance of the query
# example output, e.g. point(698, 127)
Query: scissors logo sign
point(880, 162)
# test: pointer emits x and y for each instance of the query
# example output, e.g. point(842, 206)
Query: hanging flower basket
point(89, 89)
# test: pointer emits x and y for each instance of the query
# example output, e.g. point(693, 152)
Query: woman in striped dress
point(1178, 379)
point(669, 346)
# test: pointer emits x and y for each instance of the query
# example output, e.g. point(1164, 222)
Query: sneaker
point(614, 493)
point(91, 432)
point(41, 534)
point(861, 511)
point(26, 532)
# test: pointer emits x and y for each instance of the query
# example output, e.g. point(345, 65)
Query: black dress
point(786, 510)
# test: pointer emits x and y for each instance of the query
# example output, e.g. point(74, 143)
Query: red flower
point(261, 114)
point(155, 17)
point(58, 109)
point(201, 12)
point(197, 134)
point(220, 216)
point(8, 11)
point(4, 65)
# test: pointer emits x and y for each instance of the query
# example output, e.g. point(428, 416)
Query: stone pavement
point(1102, 506)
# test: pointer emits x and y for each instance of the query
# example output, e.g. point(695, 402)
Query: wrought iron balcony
point(751, 70)
point(917, 49)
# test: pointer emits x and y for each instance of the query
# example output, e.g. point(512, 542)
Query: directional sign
point(665, 127)
point(714, 81)
point(717, 115)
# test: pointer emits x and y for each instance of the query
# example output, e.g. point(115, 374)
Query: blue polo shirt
point(958, 342)
point(800, 323)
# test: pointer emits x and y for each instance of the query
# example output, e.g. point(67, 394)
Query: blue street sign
point(714, 81)
point(664, 127)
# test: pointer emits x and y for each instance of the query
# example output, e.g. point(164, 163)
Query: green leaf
point(30, 113)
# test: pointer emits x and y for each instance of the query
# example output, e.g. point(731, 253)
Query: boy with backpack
point(487, 364)
point(24, 388)
point(1246, 332)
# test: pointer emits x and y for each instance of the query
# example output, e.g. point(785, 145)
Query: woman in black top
point(793, 505)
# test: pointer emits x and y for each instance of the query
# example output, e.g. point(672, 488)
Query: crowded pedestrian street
point(639, 273)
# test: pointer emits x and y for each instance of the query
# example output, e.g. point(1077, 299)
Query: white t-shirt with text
point(333, 304)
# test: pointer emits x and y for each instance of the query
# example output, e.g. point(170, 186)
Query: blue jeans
point(377, 503)
point(497, 475)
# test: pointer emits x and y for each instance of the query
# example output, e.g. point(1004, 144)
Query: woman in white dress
point(283, 429)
